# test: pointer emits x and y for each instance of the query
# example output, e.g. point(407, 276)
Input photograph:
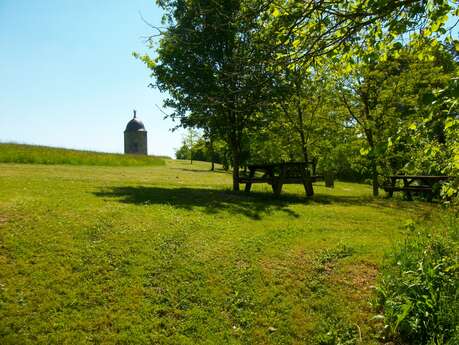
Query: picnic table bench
point(278, 174)
point(415, 184)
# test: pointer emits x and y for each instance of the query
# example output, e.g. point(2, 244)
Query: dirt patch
point(3, 220)
point(293, 260)
point(291, 270)
point(364, 275)
point(3, 258)
point(358, 277)
point(354, 284)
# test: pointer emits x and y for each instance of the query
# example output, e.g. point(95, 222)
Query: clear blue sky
point(68, 77)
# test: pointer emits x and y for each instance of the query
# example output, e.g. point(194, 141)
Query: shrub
point(418, 287)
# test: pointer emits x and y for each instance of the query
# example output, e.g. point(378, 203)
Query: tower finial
point(135, 113)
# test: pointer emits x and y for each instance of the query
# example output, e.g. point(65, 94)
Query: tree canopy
point(366, 87)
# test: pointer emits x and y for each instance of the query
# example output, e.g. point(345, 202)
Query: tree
point(225, 63)
point(210, 138)
point(305, 109)
point(384, 99)
point(431, 135)
point(361, 93)
point(182, 152)
point(189, 140)
point(209, 66)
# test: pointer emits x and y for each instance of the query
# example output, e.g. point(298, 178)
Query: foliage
point(418, 290)
point(201, 151)
point(386, 102)
point(31, 154)
point(291, 81)
point(450, 100)
point(336, 332)
point(190, 139)
point(446, 107)
point(333, 254)
point(423, 134)
point(207, 64)
point(303, 122)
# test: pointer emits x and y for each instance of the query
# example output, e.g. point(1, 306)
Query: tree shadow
point(210, 201)
point(218, 171)
point(254, 205)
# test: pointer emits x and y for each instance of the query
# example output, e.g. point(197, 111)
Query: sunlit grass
point(169, 255)
point(32, 154)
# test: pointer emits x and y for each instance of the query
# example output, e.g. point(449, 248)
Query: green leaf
point(450, 123)
point(406, 308)
point(456, 45)
point(364, 151)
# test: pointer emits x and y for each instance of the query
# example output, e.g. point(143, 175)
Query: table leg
point(248, 185)
point(277, 187)
point(408, 196)
point(392, 183)
point(407, 183)
point(430, 196)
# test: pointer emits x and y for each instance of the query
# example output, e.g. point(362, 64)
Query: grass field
point(32, 154)
point(167, 255)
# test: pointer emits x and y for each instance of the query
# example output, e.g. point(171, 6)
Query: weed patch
point(325, 260)
point(418, 289)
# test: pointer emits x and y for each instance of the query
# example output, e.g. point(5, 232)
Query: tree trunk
point(303, 147)
point(236, 158)
point(374, 167)
point(304, 150)
point(329, 179)
point(236, 163)
point(211, 149)
point(371, 142)
point(375, 183)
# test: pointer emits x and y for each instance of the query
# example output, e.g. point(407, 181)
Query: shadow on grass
point(218, 171)
point(211, 201)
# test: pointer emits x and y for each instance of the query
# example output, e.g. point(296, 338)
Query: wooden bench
point(279, 174)
point(415, 184)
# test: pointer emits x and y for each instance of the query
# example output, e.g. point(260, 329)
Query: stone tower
point(135, 137)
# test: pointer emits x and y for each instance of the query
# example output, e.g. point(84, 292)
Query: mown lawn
point(167, 255)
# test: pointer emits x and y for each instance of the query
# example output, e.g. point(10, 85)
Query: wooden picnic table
point(415, 184)
point(278, 174)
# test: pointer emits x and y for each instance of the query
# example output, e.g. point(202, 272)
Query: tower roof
point(135, 124)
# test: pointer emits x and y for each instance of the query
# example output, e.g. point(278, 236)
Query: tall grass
point(419, 287)
point(31, 154)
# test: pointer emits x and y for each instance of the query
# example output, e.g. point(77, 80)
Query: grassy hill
point(32, 154)
point(168, 255)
